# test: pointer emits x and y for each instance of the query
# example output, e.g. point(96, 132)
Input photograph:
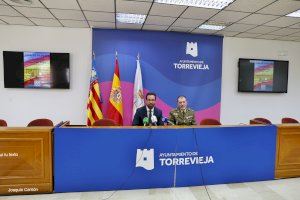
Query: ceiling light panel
point(212, 27)
point(294, 14)
point(215, 4)
point(130, 18)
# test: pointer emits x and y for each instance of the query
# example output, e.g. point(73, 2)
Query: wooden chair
point(210, 121)
point(40, 122)
point(260, 120)
point(105, 122)
point(288, 120)
point(3, 122)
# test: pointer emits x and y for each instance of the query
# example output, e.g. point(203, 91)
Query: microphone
point(146, 121)
point(167, 121)
point(154, 120)
point(59, 124)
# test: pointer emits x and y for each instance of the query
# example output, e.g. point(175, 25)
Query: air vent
point(22, 2)
point(178, 29)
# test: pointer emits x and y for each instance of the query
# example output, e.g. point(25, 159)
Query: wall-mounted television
point(36, 70)
point(259, 75)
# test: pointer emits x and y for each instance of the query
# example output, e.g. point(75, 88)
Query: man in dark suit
point(148, 115)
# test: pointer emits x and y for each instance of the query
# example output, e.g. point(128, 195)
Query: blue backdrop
point(172, 64)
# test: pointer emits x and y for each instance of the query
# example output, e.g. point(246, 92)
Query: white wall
point(239, 107)
point(20, 106)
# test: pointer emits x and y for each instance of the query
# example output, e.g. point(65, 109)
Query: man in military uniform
point(182, 115)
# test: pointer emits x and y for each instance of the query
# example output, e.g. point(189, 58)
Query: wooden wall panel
point(288, 151)
point(25, 160)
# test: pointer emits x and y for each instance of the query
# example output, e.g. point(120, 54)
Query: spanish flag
point(115, 105)
point(94, 105)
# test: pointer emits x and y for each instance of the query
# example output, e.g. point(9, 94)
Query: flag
point(94, 105)
point(138, 96)
point(115, 106)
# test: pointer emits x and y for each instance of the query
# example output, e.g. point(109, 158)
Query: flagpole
point(115, 104)
point(138, 96)
point(94, 107)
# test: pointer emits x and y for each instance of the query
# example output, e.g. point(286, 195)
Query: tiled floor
point(270, 190)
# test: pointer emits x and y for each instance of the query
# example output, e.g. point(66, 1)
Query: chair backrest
point(3, 122)
point(260, 120)
point(288, 120)
point(105, 122)
point(209, 121)
point(40, 122)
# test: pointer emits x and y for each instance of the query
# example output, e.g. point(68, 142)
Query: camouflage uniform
point(178, 117)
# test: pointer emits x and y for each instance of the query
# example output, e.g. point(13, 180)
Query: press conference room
point(149, 99)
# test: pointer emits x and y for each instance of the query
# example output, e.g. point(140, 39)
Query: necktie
point(150, 116)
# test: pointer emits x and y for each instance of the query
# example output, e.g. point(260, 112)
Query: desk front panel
point(88, 159)
point(288, 151)
point(25, 160)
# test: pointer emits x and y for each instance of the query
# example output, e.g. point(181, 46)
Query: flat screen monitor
point(36, 70)
point(258, 75)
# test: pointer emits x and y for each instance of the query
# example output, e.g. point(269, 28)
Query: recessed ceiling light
point(215, 4)
point(294, 14)
point(212, 27)
point(131, 18)
point(22, 2)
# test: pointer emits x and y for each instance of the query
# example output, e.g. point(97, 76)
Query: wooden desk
point(26, 160)
point(288, 151)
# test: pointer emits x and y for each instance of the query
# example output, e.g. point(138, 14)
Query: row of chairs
point(109, 122)
point(36, 122)
point(258, 120)
point(208, 121)
point(285, 120)
point(101, 122)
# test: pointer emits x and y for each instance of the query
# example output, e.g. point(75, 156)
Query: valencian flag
point(138, 97)
point(115, 105)
point(94, 107)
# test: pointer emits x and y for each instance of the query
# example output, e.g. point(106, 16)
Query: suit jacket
point(141, 113)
